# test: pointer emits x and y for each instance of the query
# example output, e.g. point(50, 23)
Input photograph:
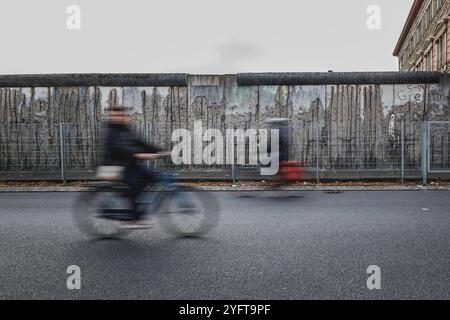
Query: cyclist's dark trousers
point(137, 178)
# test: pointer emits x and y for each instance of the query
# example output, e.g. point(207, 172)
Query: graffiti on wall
point(358, 125)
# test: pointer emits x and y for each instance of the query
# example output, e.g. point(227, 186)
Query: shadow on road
point(273, 195)
point(138, 249)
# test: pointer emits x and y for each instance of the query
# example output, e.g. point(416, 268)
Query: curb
point(241, 189)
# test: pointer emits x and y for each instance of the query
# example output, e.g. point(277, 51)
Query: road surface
point(313, 246)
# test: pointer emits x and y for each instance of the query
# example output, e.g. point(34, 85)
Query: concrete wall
point(359, 123)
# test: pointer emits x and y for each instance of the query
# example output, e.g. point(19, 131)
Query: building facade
point(424, 43)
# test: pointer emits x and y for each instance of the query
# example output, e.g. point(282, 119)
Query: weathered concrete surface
point(319, 78)
point(94, 79)
point(359, 122)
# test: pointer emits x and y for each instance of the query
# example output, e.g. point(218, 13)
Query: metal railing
point(357, 150)
point(438, 155)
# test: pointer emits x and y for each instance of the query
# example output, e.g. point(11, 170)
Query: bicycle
point(104, 208)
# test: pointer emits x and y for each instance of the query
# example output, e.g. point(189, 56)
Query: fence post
point(233, 173)
point(424, 162)
point(233, 167)
point(317, 153)
point(147, 139)
point(403, 149)
point(61, 151)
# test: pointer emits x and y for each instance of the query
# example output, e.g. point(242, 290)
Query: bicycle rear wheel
point(90, 216)
point(190, 212)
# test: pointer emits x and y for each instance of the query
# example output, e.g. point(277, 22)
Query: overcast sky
point(199, 36)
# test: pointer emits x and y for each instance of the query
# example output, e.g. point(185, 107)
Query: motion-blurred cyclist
point(121, 154)
point(289, 171)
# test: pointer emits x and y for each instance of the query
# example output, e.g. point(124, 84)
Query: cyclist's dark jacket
point(121, 144)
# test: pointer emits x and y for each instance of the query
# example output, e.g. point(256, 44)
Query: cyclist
point(289, 170)
point(280, 124)
point(123, 149)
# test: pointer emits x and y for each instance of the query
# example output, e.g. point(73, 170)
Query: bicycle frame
point(153, 200)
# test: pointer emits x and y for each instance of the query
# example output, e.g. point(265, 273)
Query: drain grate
point(333, 192)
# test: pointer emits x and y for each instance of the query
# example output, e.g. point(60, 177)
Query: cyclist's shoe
point(138, 224)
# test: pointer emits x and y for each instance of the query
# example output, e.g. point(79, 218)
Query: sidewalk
point(48, 186)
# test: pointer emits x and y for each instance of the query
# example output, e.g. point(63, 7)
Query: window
point(429, 13)
point(419, 65)
point(428, 16)
point(441, 48)
point(402, 60)
point(428, 63)
point(411, 46)
point(437, 4)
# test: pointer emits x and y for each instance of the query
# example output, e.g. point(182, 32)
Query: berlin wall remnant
point(358, 114)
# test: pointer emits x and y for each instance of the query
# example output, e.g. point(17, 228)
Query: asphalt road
point(317, 246)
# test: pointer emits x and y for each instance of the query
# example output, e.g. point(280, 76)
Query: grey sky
point(199, 36)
